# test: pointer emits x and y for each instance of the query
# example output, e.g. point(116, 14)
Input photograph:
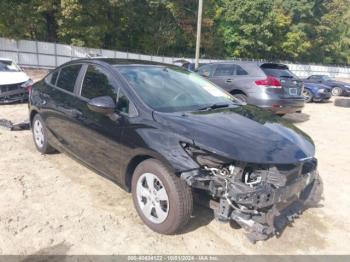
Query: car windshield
point(173, 89)
point(8, 66)
point(326, 78)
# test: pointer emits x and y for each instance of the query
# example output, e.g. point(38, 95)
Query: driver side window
point(97, 83)
point(125, 106)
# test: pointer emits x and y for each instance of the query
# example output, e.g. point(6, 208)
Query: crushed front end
point(263, 199)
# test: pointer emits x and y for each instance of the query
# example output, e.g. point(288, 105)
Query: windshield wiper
point(214, 106)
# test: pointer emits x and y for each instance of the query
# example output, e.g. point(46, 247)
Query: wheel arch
point(32, 114)
point(237, 91)
point(138, 159)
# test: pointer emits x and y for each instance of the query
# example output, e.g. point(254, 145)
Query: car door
point(223, 75)
point(57, 103)
point(99, 135)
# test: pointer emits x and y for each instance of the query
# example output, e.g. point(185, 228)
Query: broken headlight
point(204, 157)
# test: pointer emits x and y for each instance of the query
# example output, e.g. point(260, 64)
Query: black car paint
point(188, 143)
point(109, 145)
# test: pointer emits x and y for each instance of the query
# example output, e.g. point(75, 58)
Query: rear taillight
point(270, 81)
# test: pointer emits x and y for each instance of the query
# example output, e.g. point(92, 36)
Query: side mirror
point(102, 104)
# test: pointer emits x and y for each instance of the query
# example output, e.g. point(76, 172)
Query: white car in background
point(14, 83)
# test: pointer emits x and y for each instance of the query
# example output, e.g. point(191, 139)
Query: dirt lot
point(53, 205)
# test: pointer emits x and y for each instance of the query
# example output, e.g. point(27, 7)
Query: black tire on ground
point(46, 148)
point(241, 97)
point(307, 96)
point(179, 195)
point(337, 91)
point(342, 102)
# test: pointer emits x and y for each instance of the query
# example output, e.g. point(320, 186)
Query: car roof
point(117, 61)
point(5, 59)
point(249, 64)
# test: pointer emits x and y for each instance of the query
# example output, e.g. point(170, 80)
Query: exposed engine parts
point(261, 199)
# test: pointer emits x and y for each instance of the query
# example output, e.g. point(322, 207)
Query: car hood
point(9, 78)
point(316, 86)
point(243, 133)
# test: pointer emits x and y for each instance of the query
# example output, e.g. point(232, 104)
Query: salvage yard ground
point(53, 205)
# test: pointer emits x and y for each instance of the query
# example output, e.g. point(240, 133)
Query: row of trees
point(296, 30)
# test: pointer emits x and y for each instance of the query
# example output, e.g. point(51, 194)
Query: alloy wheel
point(38, 133)
point(336, 91)
point(307, 96)
point(152, 198)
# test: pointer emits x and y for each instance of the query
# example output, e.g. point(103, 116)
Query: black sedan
point(165, 134)
point(339, 88)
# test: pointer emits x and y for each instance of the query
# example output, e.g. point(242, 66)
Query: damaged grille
point(9, 88)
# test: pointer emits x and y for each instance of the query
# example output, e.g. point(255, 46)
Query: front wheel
point(162, 200)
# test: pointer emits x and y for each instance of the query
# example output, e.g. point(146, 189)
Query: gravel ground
point(50, 204)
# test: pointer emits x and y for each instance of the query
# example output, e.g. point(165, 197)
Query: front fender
point(165, 146)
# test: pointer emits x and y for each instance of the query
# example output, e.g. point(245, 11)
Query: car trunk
point(291, 85)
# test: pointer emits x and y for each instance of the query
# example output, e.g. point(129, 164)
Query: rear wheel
point(40, 135)
point(162, 200)
point(241, 97)
point(307, 96)
point(336, 91)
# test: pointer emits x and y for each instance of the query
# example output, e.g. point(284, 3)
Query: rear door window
point(240, 71)
point(205, 70)
point(224, 70)
point(97, 82)
point(68, 76)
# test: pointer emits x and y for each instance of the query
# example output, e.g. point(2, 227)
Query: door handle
point(229, 81)
point(70, 111)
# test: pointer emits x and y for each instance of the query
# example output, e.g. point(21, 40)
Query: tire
point(241, 97)
point(178, 194)
point(40, 136)
point(342, 102)
point(337, 91)
point(307, 96)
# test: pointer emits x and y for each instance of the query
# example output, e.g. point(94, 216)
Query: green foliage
point(297, 30)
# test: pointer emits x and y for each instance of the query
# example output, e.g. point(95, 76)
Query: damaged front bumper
point(263, 200)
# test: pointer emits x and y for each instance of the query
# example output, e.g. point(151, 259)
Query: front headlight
point(322, 90)
point(347, 86)
point(204, 157)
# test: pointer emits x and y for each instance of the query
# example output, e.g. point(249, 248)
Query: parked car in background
point(14, 83)
point(316, 92)
point(267, 85)
point(186, 64)
point(339, 88)
point(165, 133)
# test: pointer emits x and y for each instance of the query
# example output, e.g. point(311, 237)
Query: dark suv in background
point(267, 85)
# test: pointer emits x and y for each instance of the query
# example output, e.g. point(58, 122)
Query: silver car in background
point(267, 85)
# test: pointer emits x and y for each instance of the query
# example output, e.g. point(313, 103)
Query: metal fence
point(38, 54)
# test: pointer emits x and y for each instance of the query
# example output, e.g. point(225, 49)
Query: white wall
point(50, 55)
